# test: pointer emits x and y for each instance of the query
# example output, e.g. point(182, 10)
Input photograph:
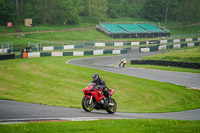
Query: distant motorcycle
point(94, 98)
point(122, 64)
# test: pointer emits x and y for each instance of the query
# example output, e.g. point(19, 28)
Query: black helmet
point(95, 77)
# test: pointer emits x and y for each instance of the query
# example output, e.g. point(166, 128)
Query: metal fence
point(76, 45)
point(6, 47)
point(36, 46)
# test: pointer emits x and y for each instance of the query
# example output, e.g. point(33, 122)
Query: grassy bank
point(186, 55)
point(89, 35)
point(107, 126)
point(5, 29)
point(66, 36)
point(171, 25)
point(49, 80)
point(166, 68)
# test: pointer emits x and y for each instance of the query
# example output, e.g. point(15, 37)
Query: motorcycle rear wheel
point(86, 105)
point(112, 109)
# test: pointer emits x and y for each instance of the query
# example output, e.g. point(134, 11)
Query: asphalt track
point(109, 63)
point(13, 111)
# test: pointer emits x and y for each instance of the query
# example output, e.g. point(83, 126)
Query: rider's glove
point(99, 87)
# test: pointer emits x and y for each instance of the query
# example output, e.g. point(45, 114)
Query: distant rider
point(98, 81)
point(122, 61)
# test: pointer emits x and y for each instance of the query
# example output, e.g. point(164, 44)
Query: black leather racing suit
point(102, 83)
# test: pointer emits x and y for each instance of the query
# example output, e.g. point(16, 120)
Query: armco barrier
point(167, 63)
point(104, 44)
point(77, 53)
point(144, 49)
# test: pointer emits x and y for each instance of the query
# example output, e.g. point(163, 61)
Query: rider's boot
point(109, 100)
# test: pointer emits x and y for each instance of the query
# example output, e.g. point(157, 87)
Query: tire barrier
point(167, 63)
point(7, 56)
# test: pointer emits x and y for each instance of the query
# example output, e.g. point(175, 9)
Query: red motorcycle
point(94, 98)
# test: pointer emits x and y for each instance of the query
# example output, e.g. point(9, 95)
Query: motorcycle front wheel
point(87, 106)
point(112, 107)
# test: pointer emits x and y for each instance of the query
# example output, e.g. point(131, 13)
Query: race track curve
point(13, 111)
point(109, 63)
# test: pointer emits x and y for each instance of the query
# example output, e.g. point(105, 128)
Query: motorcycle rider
point(123, 60)
point(99, 81)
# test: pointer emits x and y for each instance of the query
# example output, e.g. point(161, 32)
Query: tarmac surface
point(13, 111)
point(110, 63)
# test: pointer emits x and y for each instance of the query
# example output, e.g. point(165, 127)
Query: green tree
point(127, 9)
point(186, 12)
point(113, 10)
point(46, 9)
point(181, 11)
point(17, 7)
point(99, 9)
point(197, 7)
point(154, 10)
point(72, 9)
point(8, 11)
point(28, 10)
point(167, 9)
point(124, 8)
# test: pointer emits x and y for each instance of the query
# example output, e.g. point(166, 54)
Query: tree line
point(76, 11)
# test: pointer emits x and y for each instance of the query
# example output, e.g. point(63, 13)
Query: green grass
point(106, 126)
point(5, 29)
point(90, 35)
point(46, 27)
point(18, 42)
point(49, 80)
point(67, 36)
point(186, 31)
point(166, 68)
point(186, 55)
